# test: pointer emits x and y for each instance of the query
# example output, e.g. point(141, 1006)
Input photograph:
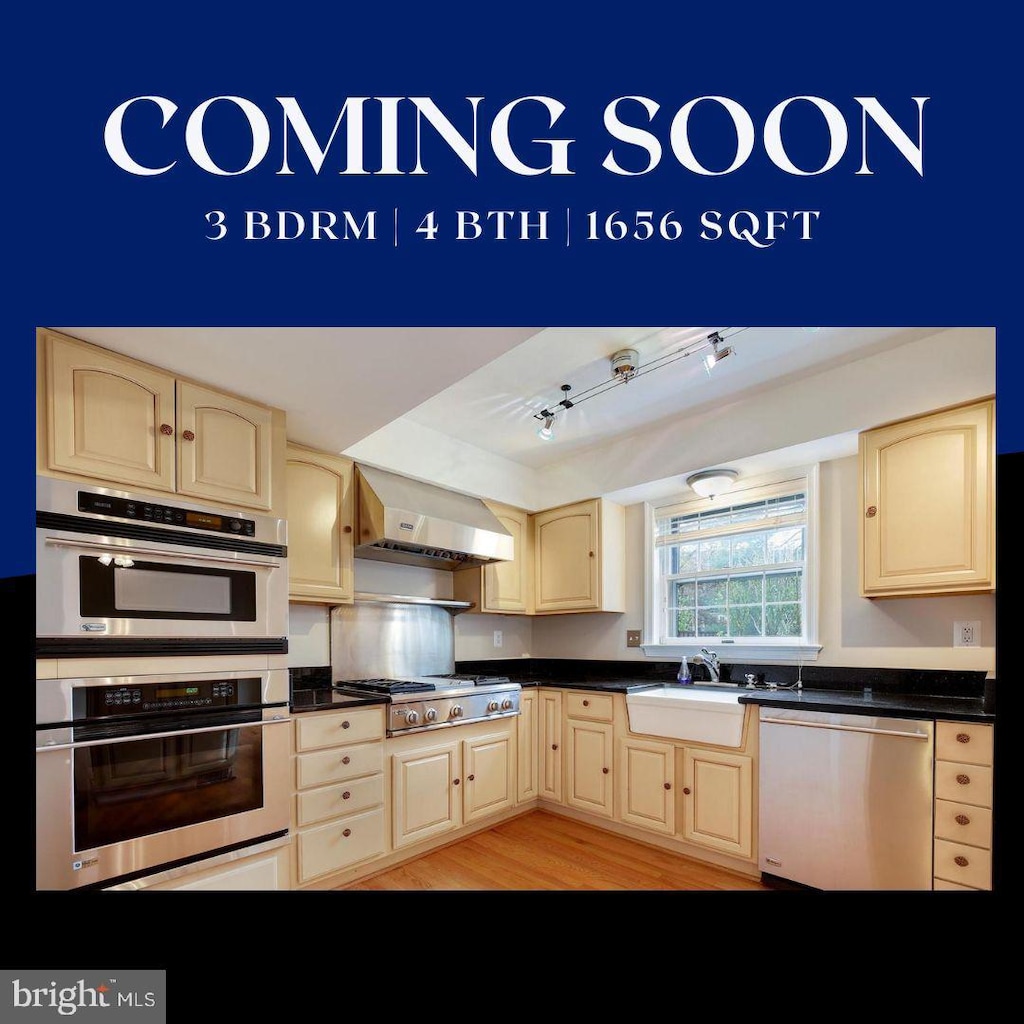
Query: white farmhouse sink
point(686, 713)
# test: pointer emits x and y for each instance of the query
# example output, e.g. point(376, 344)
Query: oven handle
point(58, 542)
point(276, 720)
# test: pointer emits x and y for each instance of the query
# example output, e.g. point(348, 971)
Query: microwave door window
point(159, 590)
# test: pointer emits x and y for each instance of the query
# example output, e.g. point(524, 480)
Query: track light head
point(545, 433)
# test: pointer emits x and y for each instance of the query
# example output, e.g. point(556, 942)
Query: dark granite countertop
point(330, 700)
point(866, 702)
point(599, 685)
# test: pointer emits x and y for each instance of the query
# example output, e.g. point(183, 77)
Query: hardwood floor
point(544, 851)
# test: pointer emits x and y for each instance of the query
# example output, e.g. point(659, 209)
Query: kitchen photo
point(501, 608)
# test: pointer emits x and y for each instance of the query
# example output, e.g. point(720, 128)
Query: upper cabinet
point(108, 417)
point(320, 518)
point(928, 504)
point(579, 558)
point(502, 587)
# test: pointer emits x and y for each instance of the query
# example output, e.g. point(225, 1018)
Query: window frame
point(780, 650)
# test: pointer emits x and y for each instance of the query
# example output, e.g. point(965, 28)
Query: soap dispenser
point(683, 675)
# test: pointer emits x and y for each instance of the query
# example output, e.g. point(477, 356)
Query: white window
point(737, 573)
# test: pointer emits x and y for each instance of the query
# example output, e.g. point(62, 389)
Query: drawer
point(941, 883)
point(963, 783)
point(598, 707)
point(965, 865)
point(963, 823)
point(338, 764)
point(344, 798)
point(965, 742)
point(340, 844)
point(314, 730)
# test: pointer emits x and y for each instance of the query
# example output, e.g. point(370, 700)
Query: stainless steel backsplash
point(378, 640)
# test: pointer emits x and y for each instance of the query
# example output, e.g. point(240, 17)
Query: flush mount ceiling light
point(710, 482)
point(625, 365)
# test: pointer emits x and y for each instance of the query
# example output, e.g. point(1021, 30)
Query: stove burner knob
point(506, 704)
point(492, 705)
point(456, 711)
point(430, 715)
point(412, 717)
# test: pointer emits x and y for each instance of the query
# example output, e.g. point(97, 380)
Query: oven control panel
point(165, 515)
point(146, 698)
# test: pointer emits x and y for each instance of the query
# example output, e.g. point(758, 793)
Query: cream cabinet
point(579, 558)
point(527, 752)
point(590, 752)
point(963, 805)
point(107, 417)
point(490, 782)
point(502, 587)
point(718, 800)
point(927, 504)
point(320, 523)
point(647, 796)
point(261, 872)
point(339, 782)
point(549, 744)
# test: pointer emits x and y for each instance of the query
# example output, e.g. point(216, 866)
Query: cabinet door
point(107, 416)
point(647, 785)
point(927, 511)
point(320, 512)
point(566, 553)
point(489, 768)
point(506, 585)
point(224, 447)
point(590, 766)
point(527, 760)
point(718, 800)
point(427, 793)
point(549, 742)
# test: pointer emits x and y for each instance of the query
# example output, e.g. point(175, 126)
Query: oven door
point(91, 587)
point(124, 803)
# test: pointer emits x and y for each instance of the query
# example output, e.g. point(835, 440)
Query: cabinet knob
point(686, 790)
point(345, 724)
point(964, 780)
point(586, 703)
point(554, 746)
point(166, 428)
point(455, 782)
point(590, 553)
point(872, 511)
point(962, 819)
point(347, 833)
point(346, 759)
point(604, 771)
point(470, 778)
point(346, 529)
point(961, 861)
point(188, 435)
point(346, 795)
point(963, 737)
point(668, 785)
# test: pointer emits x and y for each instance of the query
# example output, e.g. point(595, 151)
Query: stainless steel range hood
point(406, 521)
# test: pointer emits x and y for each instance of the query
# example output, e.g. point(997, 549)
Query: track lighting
point(545, 433)
point(719, 350)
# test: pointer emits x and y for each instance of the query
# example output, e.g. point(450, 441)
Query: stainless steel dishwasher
point(845, 800)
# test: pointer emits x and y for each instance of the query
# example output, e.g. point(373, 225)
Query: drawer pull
point(470, 778)
point(346, 759)
point(962, 819)
point(964, 780)
point(346, 795)
point(963, 737)
point(455, 782)
point(604, 771)
point(961, 861)
point(347, 833)
point(345, 724)
point(686, 790)
point(668, 785)
point(586, 703)
point(166, 429)
point(872, 511)
point(554, 746)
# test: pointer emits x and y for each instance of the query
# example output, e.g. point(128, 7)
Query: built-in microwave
point(124, 574)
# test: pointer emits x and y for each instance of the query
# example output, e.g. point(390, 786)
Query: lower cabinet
point(647, 795)
point(549, 745)
point(718, 790)
point(527, 755)
point(438, 788)
point(258, 873)
point(339, 781)
point(590, 757)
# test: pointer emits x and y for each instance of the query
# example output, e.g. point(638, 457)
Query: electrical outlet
point(497, 638)
point(967, 633)
point(632, 637)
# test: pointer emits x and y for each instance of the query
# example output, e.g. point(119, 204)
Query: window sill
point(741, 652)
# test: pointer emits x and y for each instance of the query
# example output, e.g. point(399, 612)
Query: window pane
point(746, 590)
point(786, 545)
point(712, 622)
point(683, 593)
point(748, 549)
point(686, 560)
point(714, 554)
point(711, 592)
point(686, 622)
point(745, 620)
point(783, 586)
point(782, 620)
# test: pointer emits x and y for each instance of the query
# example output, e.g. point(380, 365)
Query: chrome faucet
point(710, 659)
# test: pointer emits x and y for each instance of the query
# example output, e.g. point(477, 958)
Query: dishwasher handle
point(847, 728)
